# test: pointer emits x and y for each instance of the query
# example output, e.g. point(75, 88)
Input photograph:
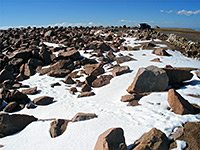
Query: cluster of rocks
point(155, 139)
point(188, 48)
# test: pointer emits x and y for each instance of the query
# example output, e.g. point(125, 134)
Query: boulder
point(24, 54)
point(27, 70)
point(6, 75)
point(14, 123)
point(119, 70)
point(102, 80)
point(111, 139)
point(103, 47)
point(17, 96)
point(150, 79)
point(177, 75)
point(31, 106)
point(155, 60)
point(133, 103)
point(94, 69)
point(152, 140)
point(10, 107)
point(85, 88)
point(86, 94)
point(73, 54)
point(45, 56)
point(55, 84)
point(73, 90)
point(131, 97)
point(49, 33)
point(35, 62)
point(30, 91)
point(43, 100)
point(160, 52)
point(58, 127)
point(178, 104)
point(69, 80)
point(123, 59)
point(83, 116)
point(110, 56)
point(59, 73)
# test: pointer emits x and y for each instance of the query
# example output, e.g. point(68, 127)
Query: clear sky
point(164, 13)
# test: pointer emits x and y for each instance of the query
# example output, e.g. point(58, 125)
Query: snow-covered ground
point(111, 112)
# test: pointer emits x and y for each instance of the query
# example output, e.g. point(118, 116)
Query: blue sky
point(164, 13)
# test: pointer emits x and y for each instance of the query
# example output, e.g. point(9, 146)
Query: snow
point(180, 145)
point(111, 112)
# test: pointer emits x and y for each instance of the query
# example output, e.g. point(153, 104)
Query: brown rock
point(123, 59)
point(111, 139)
point(27, 70)
point(73, 90)
point(83, 116)
point(155, 60)
point(85, 88)
point(103, 46)
point(177, 75)
point(150, 79)
point(94, 69)
point(55, 84)
point(89, 79)
point(43, 100)
point(131, 97)
point(152, 140)
point(31, 106)
point(190, 134)
point(21, 77)
point(30, 91)
point(110, 55)
point(18, 97)
point(59, 73)
point(79, 83)
point(11, 124)
point(73, 54)
point(69, 80)
point(5, 75)
point(102, 80)
point(178, 104)
point(58, 127)
point(86, 94)
point(10, 107)
point(160, 52)
point(119, 70)
point(198, 74)
point(133, 103)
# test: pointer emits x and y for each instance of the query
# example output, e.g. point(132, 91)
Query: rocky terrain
point(62, 78)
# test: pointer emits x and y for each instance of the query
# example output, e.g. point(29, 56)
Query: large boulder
point(58, 127)
point(111, 139)
point(11, 124)
point(150, 79)
point(104, 47)
point(178, 104)
point(152, 140)
point(177, 75)
point(102, 80)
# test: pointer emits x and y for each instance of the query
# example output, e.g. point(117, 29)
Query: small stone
point(83, 116)
point(86, 94)
point(43, 100)
point(31, 106)
point(68, 80)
